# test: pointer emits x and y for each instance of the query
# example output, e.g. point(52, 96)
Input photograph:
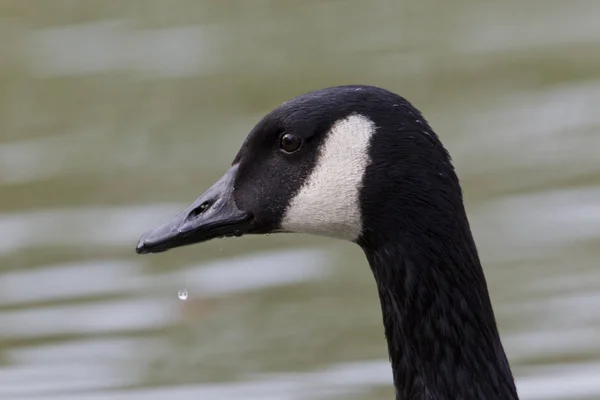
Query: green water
point(114, 114)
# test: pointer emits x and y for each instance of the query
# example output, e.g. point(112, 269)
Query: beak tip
point(143, 246)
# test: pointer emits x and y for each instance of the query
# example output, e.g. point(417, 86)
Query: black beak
point(212, 215)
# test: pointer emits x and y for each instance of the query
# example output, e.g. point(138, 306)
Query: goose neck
point(442, 337)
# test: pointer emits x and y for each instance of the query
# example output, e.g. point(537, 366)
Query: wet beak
point(212, 215)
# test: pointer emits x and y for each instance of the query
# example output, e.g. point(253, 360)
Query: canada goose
point(360, 163)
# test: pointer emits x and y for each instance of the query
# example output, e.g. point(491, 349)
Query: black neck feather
point(441, 331)
point(442, 336)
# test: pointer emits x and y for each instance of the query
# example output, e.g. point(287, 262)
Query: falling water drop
point(182, 294)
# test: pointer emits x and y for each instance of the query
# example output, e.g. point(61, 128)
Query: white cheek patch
point(328, 203)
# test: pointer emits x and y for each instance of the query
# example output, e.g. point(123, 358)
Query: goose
point(360, 163)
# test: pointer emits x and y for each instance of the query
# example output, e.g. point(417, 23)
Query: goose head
point(348, 162)
point(361, 164)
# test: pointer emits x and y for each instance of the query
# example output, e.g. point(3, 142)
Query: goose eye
point(290, 142)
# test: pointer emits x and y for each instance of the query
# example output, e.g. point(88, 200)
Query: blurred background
point(114, 114)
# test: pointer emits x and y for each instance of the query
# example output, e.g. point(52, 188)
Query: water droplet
point(182, 294)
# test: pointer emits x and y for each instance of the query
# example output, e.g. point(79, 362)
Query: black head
point(359, 163)
point(351, 162)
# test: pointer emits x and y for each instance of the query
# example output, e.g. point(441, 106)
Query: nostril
point(200, 209)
